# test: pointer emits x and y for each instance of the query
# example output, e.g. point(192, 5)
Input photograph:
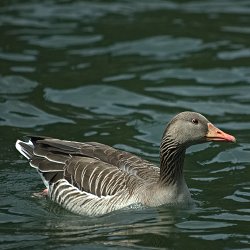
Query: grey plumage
point(94, 179)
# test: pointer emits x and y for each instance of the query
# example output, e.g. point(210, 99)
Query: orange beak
point(215, 134)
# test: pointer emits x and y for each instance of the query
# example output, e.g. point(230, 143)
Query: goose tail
point(25, 148)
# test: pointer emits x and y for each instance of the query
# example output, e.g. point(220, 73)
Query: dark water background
point(116, 72)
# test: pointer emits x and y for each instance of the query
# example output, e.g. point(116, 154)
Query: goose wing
point(90, 167)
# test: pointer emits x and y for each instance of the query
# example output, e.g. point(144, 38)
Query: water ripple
point(16, 85)
point(237, 92)
point(17, 57)
point(100, 99)
point(241, 154)
point(159, 47)
point(60, 41)
point(228, 217)
point(242, 195)
point(207, 76)
point(203, 225)
point(232, 55)
point(17, 113)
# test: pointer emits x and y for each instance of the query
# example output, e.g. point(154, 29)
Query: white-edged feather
point(21, 149)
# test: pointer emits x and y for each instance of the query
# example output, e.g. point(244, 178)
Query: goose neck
point(172, 157)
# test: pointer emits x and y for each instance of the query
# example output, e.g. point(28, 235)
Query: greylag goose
point(93, 179)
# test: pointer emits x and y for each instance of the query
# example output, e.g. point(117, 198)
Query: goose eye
point(195, 121)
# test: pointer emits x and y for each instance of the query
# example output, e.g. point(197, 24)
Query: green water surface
point(116, 72)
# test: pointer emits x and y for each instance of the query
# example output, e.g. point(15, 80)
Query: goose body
point(94, 179)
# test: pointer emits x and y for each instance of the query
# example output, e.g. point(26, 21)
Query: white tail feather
point(22, 150)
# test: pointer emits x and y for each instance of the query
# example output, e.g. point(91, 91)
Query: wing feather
point(104, 153)
point(91, 167)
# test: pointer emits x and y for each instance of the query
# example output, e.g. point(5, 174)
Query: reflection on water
point(156, 47)
point(116, 72)
point(102, 99)
point(62, 41)
point(16, 85)
point(208, 76)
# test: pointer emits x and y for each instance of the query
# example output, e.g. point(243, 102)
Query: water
point(116, 72)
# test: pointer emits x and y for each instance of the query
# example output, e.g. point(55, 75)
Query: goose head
point(188, 128)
